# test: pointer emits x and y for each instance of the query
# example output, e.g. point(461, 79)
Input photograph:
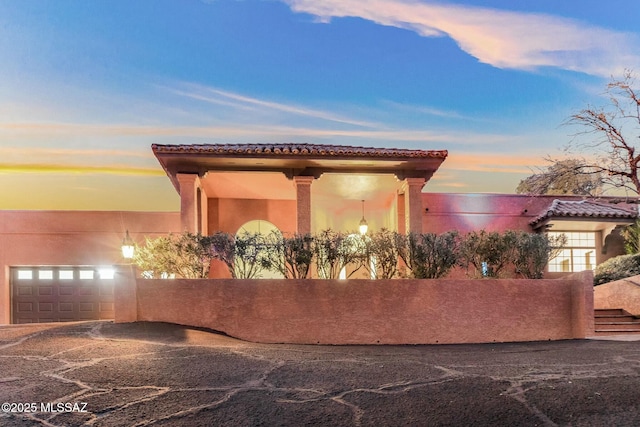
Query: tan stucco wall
point(32, 238)
point(375, 312)
point(623, 294)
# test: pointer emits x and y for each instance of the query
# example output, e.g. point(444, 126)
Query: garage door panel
point(45, 290)
point(45, 307)
point(60, 298)
point(106, 306)
point(24, 290)
point(87, 306)
point(25, 307)
point(87, 291)
point(66, 289)
point(65, 307)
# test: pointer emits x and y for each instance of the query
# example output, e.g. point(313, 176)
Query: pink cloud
point(504, 39)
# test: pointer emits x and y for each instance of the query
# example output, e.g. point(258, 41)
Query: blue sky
point(87, 87)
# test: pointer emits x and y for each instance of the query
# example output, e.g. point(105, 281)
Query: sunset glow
point(86, 88)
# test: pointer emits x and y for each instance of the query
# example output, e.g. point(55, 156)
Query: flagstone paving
point(148, 374)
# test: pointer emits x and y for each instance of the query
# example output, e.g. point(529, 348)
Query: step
point(621, 318)
point(617, 331)
point(629, 326)
point(616, 321)
point(610, 312)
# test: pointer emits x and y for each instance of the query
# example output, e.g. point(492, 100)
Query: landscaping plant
point(533, 252)
point(251, 255)
point(489, 253)
point(335, 250)
point(290, 256)
point(617, 268)
point(381, 253)
point(186, 255)
point(631, 235)
point(429, 256)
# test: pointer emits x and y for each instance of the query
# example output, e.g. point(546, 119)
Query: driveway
point(166, 375)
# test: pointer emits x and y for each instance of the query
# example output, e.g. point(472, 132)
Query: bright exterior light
point(363, 226)
point(127, 246)
point(363, 222)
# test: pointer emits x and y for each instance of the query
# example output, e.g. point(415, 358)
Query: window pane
point(25, 274)
point(583, 259)
point(106, 273)
point(45, 274)
point(561, 263)
point(65, 274)
point(580, 252)
point(86, 274)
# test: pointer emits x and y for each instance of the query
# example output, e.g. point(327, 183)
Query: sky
point(87, 87)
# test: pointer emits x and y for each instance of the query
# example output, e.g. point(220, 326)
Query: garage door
point(61, 294)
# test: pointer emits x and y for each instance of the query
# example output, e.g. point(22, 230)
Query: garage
point(61, 294)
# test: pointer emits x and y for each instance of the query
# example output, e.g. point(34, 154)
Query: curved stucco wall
point(623, 294)
point(370, 312)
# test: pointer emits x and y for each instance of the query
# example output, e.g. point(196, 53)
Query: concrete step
point(610, 312)
point(616, 322)
point(621, 318)
point(617, 325)
point(605, 332)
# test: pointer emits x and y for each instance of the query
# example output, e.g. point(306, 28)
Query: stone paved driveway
point(166, 375)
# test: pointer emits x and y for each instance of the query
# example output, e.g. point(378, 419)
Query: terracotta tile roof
point(584, 209)
point(298, 150)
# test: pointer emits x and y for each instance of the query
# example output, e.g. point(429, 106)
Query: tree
point(614, 132)
point(568, 177)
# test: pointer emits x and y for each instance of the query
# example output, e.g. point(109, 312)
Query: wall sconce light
point(363, 223)
point(127, 246)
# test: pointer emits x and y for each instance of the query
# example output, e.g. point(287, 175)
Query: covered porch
point(298, 188)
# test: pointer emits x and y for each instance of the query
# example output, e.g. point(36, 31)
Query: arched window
point(265, 228)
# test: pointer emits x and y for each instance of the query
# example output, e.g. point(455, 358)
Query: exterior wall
point(70, 238)
point(491, 212)
point(230, 214)
point(373, 312)
point(623, 294)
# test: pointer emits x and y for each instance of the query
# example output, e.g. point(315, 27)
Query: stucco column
point(125, 297)
point(188, 201)
point(412, 188)
point(303, 203)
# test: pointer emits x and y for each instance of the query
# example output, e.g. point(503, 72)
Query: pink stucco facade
point(481, 211)
point(70, 238)
point(370, 312)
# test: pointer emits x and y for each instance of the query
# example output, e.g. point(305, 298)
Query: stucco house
point(56, 264)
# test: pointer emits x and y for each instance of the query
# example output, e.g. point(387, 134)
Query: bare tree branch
point(611, 135)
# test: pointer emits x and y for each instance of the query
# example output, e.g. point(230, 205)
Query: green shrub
point(381, 253)
point(244, 255)
point(617, 268)
point(533, 252)
point(251, 255)
point(290, 256)
point(429, 256)
point(334, 250)
point(489, 253)
point(186, 255)
point(631, 235)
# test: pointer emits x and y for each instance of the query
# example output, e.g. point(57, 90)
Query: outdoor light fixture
point(127, 246)
point(363, 222)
